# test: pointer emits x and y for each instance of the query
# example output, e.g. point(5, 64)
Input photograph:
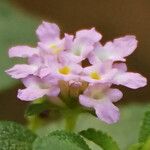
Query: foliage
point(15, 137)
point(100, 138)
point(145, 128)
point(60, 140)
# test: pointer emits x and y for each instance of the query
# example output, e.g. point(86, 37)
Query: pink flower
point(99, 73)
point(113, 73)
point(49, 36)
point(83, 43)
point(58, 60)
point(63, 71)
point(101, 98)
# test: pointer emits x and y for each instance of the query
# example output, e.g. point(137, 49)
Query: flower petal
point(31, 93)
point(23, 51)
point(66, 57)
point(86, 101)
point(91, 35)
point(21, 71)
point(131, 80)
point(114, 94)
point(124, 46)
point(44, 71)
point(116, 50)
point(48, 32)
point(84, 42)
point(107, 112)
point(31, 81)
point(68, 41)
point(120, 66)
point(54, 90)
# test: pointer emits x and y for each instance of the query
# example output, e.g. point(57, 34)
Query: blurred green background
point(20, 18)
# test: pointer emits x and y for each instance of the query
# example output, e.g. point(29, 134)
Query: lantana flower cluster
point(57, 59)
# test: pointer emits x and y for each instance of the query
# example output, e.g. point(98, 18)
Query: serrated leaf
point(14, 136)
point(60, 140)
point(145, 128)
point(102, 139)
point(37, 108)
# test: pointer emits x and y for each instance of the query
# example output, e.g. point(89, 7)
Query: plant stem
point(71, 118)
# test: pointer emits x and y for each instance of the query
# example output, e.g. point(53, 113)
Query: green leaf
point(100, 138)
point(14, 136)
point(137, 146)
point(36, 108)
point(60, 140)
point(145, 128)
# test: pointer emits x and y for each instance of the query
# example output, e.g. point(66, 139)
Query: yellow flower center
point(65, 70)
point(55, 49)
point(95, 75)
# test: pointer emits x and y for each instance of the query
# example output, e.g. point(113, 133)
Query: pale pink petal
point(116, 50)
point(124, 46)
point(131, 80)
point(21, 71)
point(107, 112)
point(109, 76)
point(48, 32)
point(68, 41)
point(91, 35)
point(32, 81)
point(66, 58)
point(120, 66)
point(87, 70)
point(86, 101)
point(50, 80)
point(86, 50)
point(76, 69)
point(104, 53)
point(82, 48)
point(94, 56)
point(31, 93)
point(23, 51)
point(35, 60)
point(114, 94)
point(54, 90)
point(43, 72)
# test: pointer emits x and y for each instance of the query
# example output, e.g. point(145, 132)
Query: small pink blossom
point(37, 88)
point(117, 50)
point(101, 98)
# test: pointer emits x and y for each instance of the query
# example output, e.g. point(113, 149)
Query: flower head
point(58, 60)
